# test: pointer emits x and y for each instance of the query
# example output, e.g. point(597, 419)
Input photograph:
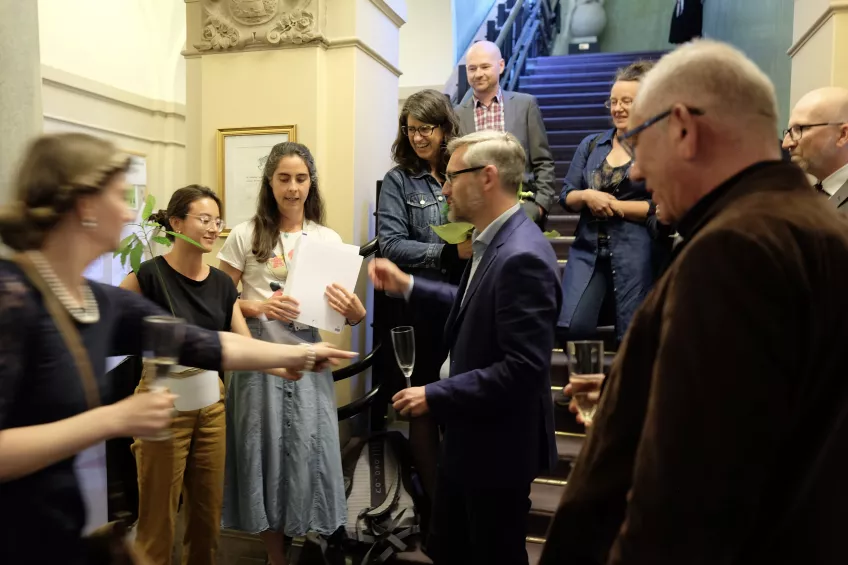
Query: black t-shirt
point(42, 514)
point(207, 303)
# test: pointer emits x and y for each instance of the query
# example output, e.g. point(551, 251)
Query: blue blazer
point(496, 406)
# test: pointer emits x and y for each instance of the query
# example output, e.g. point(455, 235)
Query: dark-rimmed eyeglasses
point(207, 221)
point(796, 132)
point(425, 131)
point(451, 176)
point(628, 140)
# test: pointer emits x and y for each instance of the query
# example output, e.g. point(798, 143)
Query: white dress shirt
point(835, 181)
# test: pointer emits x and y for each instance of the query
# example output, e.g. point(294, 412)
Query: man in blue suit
point(496, 405)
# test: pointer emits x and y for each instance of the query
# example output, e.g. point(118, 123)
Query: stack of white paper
point(318, 264)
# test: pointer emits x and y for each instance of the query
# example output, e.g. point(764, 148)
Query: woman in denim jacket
point(609, 270)
point(410, 202)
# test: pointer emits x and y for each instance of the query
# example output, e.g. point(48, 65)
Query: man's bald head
point(706, 113)
point(817, 137)
point(484, 65)
point(485, 49)
point(828, 104)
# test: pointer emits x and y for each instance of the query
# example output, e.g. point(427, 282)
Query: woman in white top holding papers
point(283, 470)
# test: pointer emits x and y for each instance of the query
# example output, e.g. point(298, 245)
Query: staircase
point(571, 91)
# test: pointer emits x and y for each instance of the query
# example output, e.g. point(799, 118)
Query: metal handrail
point(510, 21)
point(362, 365)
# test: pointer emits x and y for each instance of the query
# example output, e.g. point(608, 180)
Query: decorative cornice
point(835, 7)
point(356, 42)
point(234, 25)
point(389, 12)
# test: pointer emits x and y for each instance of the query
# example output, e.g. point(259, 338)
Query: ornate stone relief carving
point(255, 24)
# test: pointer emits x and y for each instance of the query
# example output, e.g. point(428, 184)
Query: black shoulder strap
point(594, 142)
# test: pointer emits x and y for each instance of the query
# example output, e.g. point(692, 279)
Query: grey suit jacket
point(840, 199)
point(523, 119)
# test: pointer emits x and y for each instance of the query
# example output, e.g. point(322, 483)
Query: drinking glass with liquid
point(586, 375)
point(163, 340)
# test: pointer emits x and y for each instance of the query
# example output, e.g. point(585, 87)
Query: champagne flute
point(403, 339)
point(163, 341)
point(586, 375)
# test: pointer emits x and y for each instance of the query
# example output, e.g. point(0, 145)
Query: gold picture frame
point(241, 154)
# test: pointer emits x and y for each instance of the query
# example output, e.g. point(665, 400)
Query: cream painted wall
point(820, 50)
point(114, 69)
point(133, 45)
point(427, 52)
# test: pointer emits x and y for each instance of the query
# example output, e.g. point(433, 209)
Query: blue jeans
point(597, 304)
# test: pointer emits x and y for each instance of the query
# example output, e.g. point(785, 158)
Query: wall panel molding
point(836, 6)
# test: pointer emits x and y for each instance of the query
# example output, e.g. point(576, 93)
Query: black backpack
point(384, 499)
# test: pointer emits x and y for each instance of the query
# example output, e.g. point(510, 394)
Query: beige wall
point(820, 49)
point(134, 123)
point(341, 95)
point(426, 46)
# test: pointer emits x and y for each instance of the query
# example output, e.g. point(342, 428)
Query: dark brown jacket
point(722, 436)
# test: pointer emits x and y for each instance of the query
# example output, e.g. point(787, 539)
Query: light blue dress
point(284, 468)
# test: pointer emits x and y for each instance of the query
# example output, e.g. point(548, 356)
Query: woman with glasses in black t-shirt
point(192, 461)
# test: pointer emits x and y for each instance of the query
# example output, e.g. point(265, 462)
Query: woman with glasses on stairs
point(609, 270)
point(410, 203)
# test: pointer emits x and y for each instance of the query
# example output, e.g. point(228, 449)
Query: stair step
point(596, 123)
point(561, 169)
point(540, 77)
point(570, 137)
point(562, 87)
point(545, 497)
point(572, 109)
point(591, 57)
point(562, 245)
point(534, 550)
point(596, 97)
point(565, 224)
point(563, 152)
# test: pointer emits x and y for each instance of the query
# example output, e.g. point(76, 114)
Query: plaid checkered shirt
point(491, 118)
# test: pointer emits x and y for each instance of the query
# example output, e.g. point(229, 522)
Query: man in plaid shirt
point(492, 108)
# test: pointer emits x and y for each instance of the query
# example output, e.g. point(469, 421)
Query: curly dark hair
point(634, 71)
point(429, 107)
point(266, 222)
point(180, 204)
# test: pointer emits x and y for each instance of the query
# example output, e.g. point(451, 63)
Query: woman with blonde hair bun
point(56, 330)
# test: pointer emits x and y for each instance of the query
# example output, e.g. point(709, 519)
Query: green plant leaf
point(149, 204)
point(135, 257)
point(161, 240)
point(552, 234)
point(454, 232)
point(184, 237)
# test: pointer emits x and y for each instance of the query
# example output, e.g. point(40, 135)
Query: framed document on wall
point(242, 153)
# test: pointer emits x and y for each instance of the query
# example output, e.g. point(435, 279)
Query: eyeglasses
point(628, 140)
point(205, 220)
point(797, 131)
point(612, 102)
point(451, 176)
point(425, 131)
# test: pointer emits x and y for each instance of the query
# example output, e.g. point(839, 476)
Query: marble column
point(20, 86)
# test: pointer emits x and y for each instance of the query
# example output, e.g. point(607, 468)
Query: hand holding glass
point(163, 341)
point(403, 340)
point(586, 375)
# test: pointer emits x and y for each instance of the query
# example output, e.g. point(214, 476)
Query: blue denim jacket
point(630, 242)
point(409, 204)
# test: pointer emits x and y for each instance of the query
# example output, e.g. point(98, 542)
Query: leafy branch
point(133, 246)
point(457, 232)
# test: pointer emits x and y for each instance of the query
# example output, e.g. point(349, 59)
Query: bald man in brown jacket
point(722, 434)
